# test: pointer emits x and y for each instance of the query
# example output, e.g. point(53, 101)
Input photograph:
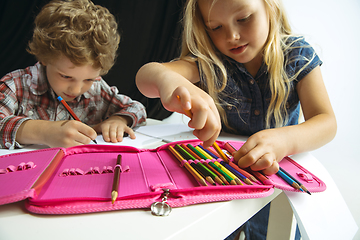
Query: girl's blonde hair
point(197, 42)
point(81, 31)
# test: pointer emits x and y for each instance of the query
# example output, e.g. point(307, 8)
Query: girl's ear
point(42, 63)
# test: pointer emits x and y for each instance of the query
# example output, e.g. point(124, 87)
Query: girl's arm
point(175, 80)
point(263, 150)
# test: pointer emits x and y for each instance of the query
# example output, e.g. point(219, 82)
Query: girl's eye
point(246, 19)
point(215, 28)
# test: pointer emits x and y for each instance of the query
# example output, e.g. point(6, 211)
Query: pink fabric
point(151, 171)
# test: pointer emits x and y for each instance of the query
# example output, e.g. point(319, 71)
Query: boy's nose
point(75, 89)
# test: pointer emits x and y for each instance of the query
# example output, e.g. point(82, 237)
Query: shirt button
point(8, 144)
point(30, 113)
point(229, 108)
point(257, 112)
point(252, 81)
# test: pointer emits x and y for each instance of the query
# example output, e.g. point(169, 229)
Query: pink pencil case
point(79, 179)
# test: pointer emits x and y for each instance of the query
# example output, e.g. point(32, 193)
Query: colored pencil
point(287, 179)
point(73, 115)
point(237, 173)
point(192, 171)
point(218, 150)
point(187, 112)
point(213, 156)
point(224, 169)
point(115, 186)
point(229, 147)
point(225, 175)
point(299, 183)
point(202, 171)
point(203, 152)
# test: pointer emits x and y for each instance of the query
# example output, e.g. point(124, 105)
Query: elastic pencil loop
point(11, 168)
point(89, 171)
point(208, 160)
point(21, 166)
point(3, 171)
point(183, 162)
point(123, 168)
point(196, 161)
point(202, 160)
point(72, 171)
point(78, 171)
point(64, 173)
point(304, 176)
point(30, 165)
point(190, 161)
point(96, 170)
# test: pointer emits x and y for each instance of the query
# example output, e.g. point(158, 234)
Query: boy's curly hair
point(81, 31)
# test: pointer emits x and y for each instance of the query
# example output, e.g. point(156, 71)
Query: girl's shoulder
point(300, 57)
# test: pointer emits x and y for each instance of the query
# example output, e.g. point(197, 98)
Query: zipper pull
point(162, 208)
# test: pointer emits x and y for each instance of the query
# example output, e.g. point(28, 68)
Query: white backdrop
point(333, 29)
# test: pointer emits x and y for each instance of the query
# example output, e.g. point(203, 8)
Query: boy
point(75, 43)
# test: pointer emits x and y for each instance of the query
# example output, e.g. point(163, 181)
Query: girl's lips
point(238, 50)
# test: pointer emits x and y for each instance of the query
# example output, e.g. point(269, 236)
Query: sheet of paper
point(168, 132)
point(141, 141)
point(322, 215)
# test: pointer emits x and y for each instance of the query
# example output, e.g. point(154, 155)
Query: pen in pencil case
point(73, 115)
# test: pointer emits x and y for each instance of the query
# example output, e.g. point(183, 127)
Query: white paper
point(168, 132)
point(141, 141)
point(322, 215)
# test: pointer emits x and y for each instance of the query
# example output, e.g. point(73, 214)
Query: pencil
point(213, 156)
point(227, 171)
point(287, 179)
point(115, 187)
point(218, 150)
point(73, 115)
point(225, 175)
point(192, 171)
point(207, 174)
point(237, 173)
point(187, 112)
point(299, 183)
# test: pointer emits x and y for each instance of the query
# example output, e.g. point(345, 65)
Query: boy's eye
point(64, 76)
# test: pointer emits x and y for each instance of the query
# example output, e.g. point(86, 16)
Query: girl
point(241, 64)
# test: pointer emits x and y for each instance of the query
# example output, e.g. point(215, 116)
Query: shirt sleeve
point(122, 105)
point(9, 122)
point(301, 58)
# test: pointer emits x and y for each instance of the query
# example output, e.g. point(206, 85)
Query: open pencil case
point(79, 179)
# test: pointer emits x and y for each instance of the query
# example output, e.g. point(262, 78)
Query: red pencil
point(73, 115)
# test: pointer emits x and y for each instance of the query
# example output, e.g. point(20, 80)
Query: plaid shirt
point(25, 94)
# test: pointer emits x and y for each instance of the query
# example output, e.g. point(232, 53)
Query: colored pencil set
point(214, 166)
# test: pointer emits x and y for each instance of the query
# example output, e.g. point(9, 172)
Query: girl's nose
point(233, 34)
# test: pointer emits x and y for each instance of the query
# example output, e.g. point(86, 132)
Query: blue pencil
point(287, 179)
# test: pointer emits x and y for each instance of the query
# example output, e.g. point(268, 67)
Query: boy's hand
point(205, 118)
point(262, 151)
point(65, 134)
point(113, 129)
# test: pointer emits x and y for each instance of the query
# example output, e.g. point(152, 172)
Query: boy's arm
point(264, 149)
point(66, 133)
point(174, 80)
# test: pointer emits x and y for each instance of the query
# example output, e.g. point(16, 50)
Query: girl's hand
point(113, 129)
point(200, 107)
point(262, 151)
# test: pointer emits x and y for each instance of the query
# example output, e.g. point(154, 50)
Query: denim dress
point(246, 100)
